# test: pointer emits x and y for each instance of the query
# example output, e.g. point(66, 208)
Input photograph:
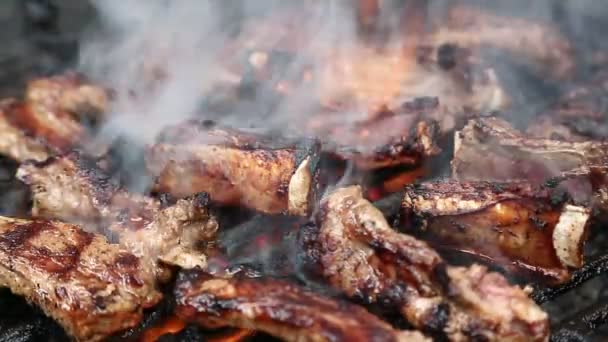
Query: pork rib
point(357, 252)
point(72, 187)
point(92, 288)
point(235, 168)
point(527, 229)
point(578, 167)
point(280, 309)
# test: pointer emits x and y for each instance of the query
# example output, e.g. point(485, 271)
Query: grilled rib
point(46, 121)
point(357, 252)
point(235, 168)
point(526, 229)
point(280, 309)
point(92, 288)
point(71, 187)
point(578, 167)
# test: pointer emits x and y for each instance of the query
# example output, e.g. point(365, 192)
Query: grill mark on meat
point(93, 289)
point(12, 239)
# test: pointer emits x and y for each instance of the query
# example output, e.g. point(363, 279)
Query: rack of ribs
point(279, 308)
point(353, 248)
point(91, 287)
point(72, 187)
point(529, 229)
point(47, 120)
point(236, 168)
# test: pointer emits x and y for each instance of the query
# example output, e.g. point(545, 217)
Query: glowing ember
point(172, 325)
point(233, 336)
point(397, 183)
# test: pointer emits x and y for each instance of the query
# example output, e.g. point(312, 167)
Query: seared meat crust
point(92, 288)
point(72, 187)
point(521, 227)
point(278, 308)
point(235, 168)
point(358, 253)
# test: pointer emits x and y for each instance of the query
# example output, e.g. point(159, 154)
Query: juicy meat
point(355, 250)
point(541, 44)
point(46, 121)
point(578, 167)
point(72, 187)
point(92, 288)
point(516, 225)
point(280, 309)
point(235, 168)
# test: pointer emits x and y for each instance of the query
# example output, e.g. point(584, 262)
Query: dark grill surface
point(40, 39)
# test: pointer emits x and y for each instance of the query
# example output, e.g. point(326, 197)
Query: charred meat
point(280, 309)
point(72, 187)
point(357, 252)
point(236, 168)
point(46, 122)
point(92, 288)
point(521, 227)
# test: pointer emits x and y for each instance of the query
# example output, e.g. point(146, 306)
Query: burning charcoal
point(578, 167)
point(72, 187)
point(542, 44)
point(236, 168)
point(278, 308)
point(46, 123)
point(353, 248)
point(522, 228)
point(90, 287)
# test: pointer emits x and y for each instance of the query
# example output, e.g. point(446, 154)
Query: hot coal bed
point(578, 308)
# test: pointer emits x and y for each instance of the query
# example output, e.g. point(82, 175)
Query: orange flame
point(170, 326)
point(233, 336)
point(397, 183)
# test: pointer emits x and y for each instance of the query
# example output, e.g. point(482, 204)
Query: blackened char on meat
point(278, 308)
point(72, 187)
point(47, 120)
point(355, 250)
point(92, 288)
point(236, 167)
point(524, 228)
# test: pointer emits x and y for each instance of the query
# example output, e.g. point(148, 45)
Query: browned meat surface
point(525, 229)
point(579, 167)
point(46, 121)
point(280, 309)
point(92, 288)
point(357, 252)
point(541, 44)
point(71, 187)
point(235, 168)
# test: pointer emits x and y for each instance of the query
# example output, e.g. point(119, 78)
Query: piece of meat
point(47, 122)
point(91, 288)
point(72, 187)
point(236, 168)
point(541, 44)
point(355, 251)
point(278, 308)
point(578, 167)
point(523, 228)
